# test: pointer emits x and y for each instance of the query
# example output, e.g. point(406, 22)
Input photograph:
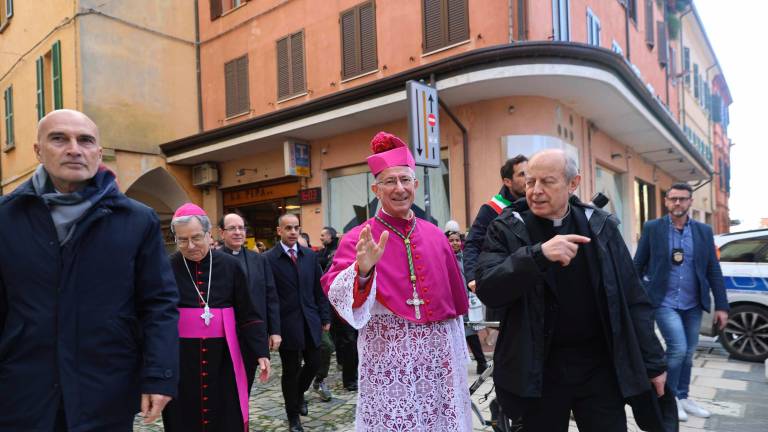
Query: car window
point(745, 250)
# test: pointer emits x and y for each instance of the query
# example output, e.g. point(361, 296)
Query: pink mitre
point(389, 151)
point(189, 209)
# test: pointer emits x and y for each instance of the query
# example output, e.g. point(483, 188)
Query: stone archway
point(158, 189)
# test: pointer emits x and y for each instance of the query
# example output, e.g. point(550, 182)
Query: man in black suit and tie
point(304, 314)
point(261, 283)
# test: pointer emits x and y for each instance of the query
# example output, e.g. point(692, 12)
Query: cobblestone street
point(735, 392)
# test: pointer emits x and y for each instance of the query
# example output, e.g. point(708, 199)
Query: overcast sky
point(734, 28)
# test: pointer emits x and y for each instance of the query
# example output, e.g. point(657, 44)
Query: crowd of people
point(98, 323)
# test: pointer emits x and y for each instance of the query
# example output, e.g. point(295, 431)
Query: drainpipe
point(198, 72)
point(682, 62)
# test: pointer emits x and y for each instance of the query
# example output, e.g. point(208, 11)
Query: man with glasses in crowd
point(677, 262)
point(216, 315)
point(261, 283)
point(395, 278)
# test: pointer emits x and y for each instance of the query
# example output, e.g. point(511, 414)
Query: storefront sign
point(310, 196)
point(259, 193)
point(297, 160)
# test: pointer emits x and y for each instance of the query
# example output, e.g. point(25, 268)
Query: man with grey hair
point(577, 332)
point(216, 315)
point(87, 299)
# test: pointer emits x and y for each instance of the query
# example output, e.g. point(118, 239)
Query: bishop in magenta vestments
point(413, 356)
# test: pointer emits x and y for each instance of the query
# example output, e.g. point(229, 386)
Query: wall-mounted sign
point(310, 196)
point(297, 160)
point(256, 194)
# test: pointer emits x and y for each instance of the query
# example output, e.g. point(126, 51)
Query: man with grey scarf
point(88, 319)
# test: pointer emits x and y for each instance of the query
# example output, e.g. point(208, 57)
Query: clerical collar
point(558, 222)
point(234, 252)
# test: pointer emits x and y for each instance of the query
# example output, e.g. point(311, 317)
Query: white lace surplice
point(412, 377)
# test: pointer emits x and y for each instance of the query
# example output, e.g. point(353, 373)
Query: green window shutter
point(58, 100)
point(39, 67)
point(9, 117)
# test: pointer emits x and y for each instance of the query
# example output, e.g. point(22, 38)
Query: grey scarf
point(66, 208)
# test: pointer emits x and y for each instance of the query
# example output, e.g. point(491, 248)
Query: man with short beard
point(677, 260)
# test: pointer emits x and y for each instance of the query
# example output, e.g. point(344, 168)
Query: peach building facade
point(286, 84)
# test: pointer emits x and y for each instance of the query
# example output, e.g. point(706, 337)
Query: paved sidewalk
point(736, 392)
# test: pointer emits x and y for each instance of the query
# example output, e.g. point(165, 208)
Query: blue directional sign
point(423, 123)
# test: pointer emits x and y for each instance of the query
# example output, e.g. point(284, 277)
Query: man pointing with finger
point(396, 279)
point(577, 334)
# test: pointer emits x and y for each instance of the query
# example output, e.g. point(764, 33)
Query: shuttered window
point(358, 40)
point(687, 65)
point(696, 83)
point(6, 12)
point(446, 22)
point(593, 28)
point(290, 66)
point(216, 9)
point(48, 77)
point(40, 73)
point(649, 23)
point(236, 83)
point(8, 99)
point(663, 49)
point(58, 99)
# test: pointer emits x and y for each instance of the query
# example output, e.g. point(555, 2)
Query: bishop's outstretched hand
point(369, 251)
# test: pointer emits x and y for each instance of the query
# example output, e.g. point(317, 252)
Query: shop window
point(351, 201)
point(610, 183)
point(6, 12)
point(645, 204)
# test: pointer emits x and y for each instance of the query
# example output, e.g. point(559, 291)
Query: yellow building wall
point(20, 161)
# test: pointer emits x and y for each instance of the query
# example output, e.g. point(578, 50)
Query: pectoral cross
point(207, 315)
point(415, 302)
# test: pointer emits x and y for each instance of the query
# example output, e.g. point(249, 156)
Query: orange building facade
point(292, 93)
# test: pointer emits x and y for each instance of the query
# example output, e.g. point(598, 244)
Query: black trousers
point(477, 348)
point(296, 378)
point(345, 339)
point(596, 403)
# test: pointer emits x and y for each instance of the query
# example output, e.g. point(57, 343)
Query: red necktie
point(292, 253)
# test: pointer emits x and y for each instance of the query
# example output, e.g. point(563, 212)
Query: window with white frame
point(561, 20)
point(593, 28)
point(615, 47)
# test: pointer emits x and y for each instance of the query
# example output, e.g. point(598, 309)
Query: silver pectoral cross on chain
point(206, 315)
point(415, 302)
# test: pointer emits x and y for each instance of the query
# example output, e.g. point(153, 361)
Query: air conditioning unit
point(205, 174)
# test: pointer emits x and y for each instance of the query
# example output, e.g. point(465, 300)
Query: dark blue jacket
point(302, 300)
point(92, 323)
point(653, 262)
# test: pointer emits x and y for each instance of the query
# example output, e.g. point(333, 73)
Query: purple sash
point(222, 325)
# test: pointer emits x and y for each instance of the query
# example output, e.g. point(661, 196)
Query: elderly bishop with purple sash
point(216, 316)
point(396, 279)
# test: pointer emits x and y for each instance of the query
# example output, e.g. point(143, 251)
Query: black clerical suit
point(261, 285)
point(208, 398)
point(304, 309)
point(576, 338)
